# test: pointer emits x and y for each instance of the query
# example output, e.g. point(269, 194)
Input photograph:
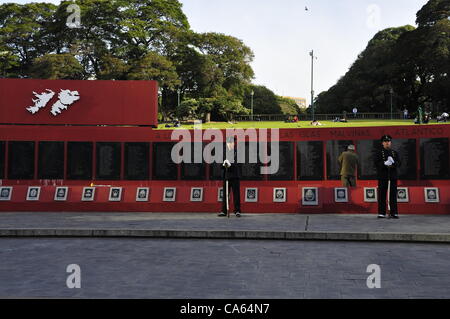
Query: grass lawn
point(303, 124)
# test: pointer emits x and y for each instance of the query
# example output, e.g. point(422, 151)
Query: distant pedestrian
point(405, 114)
point(386, 162)
point(348, 161)
point(419, 115)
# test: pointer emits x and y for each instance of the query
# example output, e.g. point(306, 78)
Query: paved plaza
point(210, 269)
point(167, 268)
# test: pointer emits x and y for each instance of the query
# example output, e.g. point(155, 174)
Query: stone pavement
point(409, 228)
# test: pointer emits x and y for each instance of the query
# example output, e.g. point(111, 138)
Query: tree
point(57, 66)
point(225, 107)
point(433, 11)
point(377, 69)
point(264, 100)
point(24, 33)
point(153, 66)
point(231, 56)
point(288, 106)
point(187, 108)
point(112, 68)
point(9, 63)
point(124, 40)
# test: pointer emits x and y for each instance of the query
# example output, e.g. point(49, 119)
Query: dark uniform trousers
point(386, 174)
point(382, 194)
point(234, 186)
point(233, 175)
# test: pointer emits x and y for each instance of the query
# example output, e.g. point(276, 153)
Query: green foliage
point(432, 12)
point(264, 100)
point(288, 106)
point(412, 63)
point(187, 109)
point(127, 40)
point(57, 66)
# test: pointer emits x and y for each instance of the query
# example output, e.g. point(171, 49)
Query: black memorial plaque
point(194, 170)
point(434, 154)
point(163, 166)
point(334, 150)
point(51, 160)
point(366, 150)
point(137, 161)
point(108, 160)
point(2, 159)
point(286, 162)
point(406, 149)
point(310, 160)
point(79, 160)
point(21, 160)
point(250, 170)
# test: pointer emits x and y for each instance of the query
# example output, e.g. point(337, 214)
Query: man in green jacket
point(349, 162)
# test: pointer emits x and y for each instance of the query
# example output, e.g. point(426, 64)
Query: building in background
point(301, 102)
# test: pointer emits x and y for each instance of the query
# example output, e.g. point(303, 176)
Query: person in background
point(348, 161)
point(419, 115)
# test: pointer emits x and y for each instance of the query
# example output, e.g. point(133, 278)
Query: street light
point(178, 91)
point(252, 93)
point(312, 82)
point(392, 92)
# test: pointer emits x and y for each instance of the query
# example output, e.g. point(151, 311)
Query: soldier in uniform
point(232, 173)
point(348, 161)
point(386, 162)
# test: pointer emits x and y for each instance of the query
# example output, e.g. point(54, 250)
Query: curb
point(224, 234)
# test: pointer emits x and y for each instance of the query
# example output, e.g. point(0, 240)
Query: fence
point(319, 117)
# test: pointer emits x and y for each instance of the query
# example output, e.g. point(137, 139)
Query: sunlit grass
point(302, 124)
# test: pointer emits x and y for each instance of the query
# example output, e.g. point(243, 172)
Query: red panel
point(356, 204)
point(100, 103)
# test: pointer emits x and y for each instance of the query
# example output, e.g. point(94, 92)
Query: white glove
point(389, 162)
point(226, 163)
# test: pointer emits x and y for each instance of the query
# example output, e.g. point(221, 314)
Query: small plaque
point(370, 195)
point(196, 194)
point(169, 194)
point(142, 194)
point(310, 196)
point(61, 194)
point(115, 194)
point(251, 195)
point(5, 193)
point(432, 195)
point(279, 195)
point(402, 195)
point(33, 193)
point(88, 194)
point(341, 195)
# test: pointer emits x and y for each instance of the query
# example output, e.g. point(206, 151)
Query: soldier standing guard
point(386, 162)
point(232, 174)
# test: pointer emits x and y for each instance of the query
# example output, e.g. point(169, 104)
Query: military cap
point(386, 138)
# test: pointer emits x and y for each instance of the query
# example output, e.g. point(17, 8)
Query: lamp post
point(178, 91)
point(252, 94)
point(312, 83)
point(391, 91)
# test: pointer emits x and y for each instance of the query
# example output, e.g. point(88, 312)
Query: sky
point(282, 33)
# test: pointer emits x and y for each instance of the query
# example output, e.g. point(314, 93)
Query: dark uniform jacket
point(383, 171)
point(235, 170)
